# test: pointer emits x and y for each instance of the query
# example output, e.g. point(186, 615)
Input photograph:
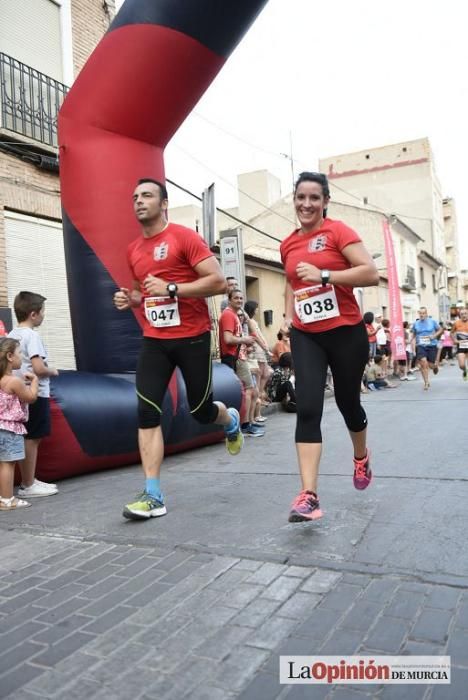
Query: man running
point(424, 335)
point(173, 272)
point(459, 335)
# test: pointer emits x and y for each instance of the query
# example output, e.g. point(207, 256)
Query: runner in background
point(424, 336)
point(447, 345)
point(460, 337)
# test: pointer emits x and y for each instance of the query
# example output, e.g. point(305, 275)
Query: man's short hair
point(25, 303)
point(234, 291)
point(162, 187)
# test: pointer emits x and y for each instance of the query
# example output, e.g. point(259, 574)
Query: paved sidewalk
point(201, 604)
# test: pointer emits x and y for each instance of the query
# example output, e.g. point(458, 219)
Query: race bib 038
point(316, 303)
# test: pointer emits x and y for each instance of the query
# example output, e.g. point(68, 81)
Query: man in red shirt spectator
point(233, 345)
point(173, 271)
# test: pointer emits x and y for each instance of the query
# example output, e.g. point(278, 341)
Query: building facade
point(44, 44)
point(401, 180)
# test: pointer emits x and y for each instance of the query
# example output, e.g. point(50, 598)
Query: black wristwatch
point(325, 277)
point(172, 289)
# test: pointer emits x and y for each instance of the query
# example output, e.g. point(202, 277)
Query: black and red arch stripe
point(138, 86)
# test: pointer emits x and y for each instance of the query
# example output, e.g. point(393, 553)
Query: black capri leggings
point(156, 363)
point(346, 350)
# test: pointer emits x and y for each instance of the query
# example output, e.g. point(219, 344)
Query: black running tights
point(345, 349)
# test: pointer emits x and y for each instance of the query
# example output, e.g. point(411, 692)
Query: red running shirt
point(322, 248)
point(172, 255)
point(229, 321)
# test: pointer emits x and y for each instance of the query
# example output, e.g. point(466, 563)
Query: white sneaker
point(37, 489)
point(46, 484)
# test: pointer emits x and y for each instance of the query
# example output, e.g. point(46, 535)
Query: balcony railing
point(29, 101)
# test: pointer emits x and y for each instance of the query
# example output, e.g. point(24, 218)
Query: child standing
point(29, 311)
point(14, 397)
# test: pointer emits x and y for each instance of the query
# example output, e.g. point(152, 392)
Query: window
point(434, 286)
point(421, 277)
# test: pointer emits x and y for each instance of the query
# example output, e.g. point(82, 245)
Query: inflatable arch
point(143, 79)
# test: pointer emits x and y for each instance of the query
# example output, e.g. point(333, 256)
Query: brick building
point(43, 45)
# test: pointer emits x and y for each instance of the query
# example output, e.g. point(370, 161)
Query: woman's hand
point(308, 273)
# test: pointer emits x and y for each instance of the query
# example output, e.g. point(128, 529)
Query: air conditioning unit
point(409, 283)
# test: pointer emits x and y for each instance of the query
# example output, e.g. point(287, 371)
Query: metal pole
point(291, 159)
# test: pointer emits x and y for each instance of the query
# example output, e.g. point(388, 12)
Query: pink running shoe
point(362, 472)
point(305, 507)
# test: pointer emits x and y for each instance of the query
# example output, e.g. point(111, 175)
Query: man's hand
point(122, 299)
point(247, 340)
point(308, 273)
point(155, 286)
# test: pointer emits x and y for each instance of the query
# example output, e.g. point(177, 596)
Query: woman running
point(324, 259)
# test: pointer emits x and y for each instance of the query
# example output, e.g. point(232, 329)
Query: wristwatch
point(172, 289)
point(325, 277)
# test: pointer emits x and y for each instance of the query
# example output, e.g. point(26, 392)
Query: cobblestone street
point(201, 604)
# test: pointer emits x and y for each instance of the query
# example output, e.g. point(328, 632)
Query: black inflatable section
point(216, 24)
point(94, 420)
point(91, 289)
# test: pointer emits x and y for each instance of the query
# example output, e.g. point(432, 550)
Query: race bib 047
point(316, 303)
point(162, 312)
